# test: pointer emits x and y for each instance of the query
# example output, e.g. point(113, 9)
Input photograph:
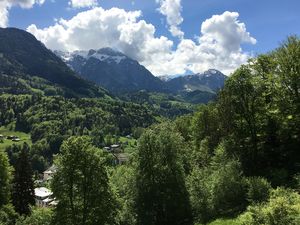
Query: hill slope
point(22, 54)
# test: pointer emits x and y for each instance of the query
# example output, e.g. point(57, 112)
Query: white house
point(43, 197)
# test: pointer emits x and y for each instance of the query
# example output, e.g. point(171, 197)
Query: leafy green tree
point(162, 197)
point(39, 216)
point(123, 183)
point(217, 189)
point(5, 177)
point(8, 215)
point(81, 185)
point(23, 190)
point(282, 208)
point(258, 189)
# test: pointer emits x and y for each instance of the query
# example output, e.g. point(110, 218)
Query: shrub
point(283, 208)
point(258, 189)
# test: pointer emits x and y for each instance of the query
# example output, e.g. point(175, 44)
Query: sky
point(168, 37)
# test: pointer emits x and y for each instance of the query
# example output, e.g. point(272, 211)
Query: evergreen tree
point(162, 197)
point(4, 179)
point(23, 190)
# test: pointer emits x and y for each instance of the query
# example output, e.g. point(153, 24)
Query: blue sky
point(267, 21)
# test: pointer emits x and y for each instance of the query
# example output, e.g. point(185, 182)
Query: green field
point(6, 132)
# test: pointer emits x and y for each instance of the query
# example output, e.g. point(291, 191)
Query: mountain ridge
point(113, 70)
point(22, 54)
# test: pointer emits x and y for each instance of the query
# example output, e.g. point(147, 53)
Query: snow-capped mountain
point(113, 70)
point(210, 81)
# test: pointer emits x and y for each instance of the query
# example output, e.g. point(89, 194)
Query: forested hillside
point(233, 161)
point(22, 55)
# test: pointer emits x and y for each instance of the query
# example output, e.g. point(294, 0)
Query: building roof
point(47, 200)
point(42, 192)
point(115, 146)
point(51, 169)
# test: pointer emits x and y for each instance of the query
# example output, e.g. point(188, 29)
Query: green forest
point(234, 161)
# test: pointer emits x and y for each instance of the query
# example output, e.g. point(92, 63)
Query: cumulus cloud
point(98, 28)
point(5, 5)
point(83, 3)
point(218, 45)
point(172, 10)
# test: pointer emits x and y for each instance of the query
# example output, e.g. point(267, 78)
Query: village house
point(43, 197)
point(11, 137)
point(48, 174)
point(115, 148)
point(16, 139)
point(120, 158)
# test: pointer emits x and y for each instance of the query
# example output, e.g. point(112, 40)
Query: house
point(120, 158)
point(11, 137)
point(107, 148)
point(116, 148)
point(48, 174)
point(43, 197)
point(16, 139)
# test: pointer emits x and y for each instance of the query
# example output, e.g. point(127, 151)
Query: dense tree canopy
point(81, 185)
point(162, 197)
point(23, 190)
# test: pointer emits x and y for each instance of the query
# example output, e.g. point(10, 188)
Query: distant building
point(43, 197)
point(116, 148)
point(120, 158)
point(16, 139)
point(107, 148)
point(11, 137)
point(48, 174)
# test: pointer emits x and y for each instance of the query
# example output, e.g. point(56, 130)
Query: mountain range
point(82, 73)
point(112, 70)
point(120, 74)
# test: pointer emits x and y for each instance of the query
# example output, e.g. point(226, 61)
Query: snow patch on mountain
point(106, 55)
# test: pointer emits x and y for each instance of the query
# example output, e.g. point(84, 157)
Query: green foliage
point(166, 105)
point(5, 177)
point(258, 189)
point(282, 208)
point(162, 197)
point(81, 185)
point(23, 190)
point(39, 216)
point(258, 110)
point(123, 183)
point(8, 216)
point(217, 189)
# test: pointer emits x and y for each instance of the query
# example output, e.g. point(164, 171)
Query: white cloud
point(98, 28)
point(3, 14)
point(83, 3)
point(5, 5)
point(172, 10)
point(218, 46)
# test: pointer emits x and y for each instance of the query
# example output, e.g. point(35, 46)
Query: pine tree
point(4, 179)
point(23, 190)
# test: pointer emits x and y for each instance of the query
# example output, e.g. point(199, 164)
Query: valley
point(93, 136)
